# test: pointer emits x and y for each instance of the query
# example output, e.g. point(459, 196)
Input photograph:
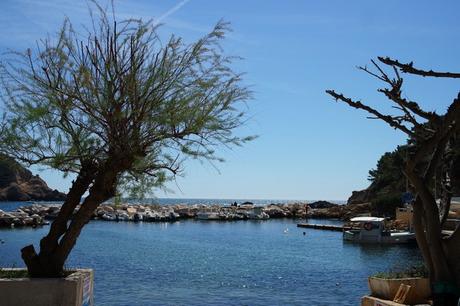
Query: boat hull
point(391, 238)
point(208, 216)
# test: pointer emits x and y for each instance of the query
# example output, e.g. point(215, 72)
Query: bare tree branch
point(409, 68)
point(358, 105)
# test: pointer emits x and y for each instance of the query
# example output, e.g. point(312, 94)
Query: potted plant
point(385, 285)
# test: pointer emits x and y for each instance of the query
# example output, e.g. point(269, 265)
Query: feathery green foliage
point(388, 177)
point(117, 107)
point(120, 91)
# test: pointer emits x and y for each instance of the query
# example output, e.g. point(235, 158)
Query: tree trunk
point(420, 234)
point(42, 264)
point(440, 255)
point(56, 246)
point(104, 188)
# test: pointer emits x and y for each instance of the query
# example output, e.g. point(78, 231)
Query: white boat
point(207, 215)
point(257, 213)
point(372, 230)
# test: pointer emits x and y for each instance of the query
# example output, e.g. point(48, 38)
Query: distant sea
point(9, 206)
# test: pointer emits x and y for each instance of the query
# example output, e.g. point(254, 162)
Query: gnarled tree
point(115, 105)
point(429, 136)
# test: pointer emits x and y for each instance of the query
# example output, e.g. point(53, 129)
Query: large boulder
point(274, 211)
point(335, 212)
point(322, 204)
point(131, 210)
point(19, 184)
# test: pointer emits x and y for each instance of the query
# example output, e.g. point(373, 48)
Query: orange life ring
point(367, 226)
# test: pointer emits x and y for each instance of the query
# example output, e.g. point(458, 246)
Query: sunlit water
point(219, 263)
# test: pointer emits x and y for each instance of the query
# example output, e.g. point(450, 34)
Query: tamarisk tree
point(430, 136)
point(116, 105)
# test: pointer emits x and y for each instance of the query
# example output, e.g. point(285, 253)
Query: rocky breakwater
point(37, 214)
point(157, 213)
point(146, 213)
point(33, 215)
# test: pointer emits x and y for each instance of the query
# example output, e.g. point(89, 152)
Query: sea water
point(191, 262)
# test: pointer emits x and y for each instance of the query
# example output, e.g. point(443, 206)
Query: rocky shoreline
point(38, 214)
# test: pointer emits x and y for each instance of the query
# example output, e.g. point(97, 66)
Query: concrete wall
point(74, 290)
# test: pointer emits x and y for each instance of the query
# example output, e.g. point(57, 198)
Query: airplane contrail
point(171, 11)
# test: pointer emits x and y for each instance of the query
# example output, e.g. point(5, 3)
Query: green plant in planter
point(7, 273)
point(417, 270)
point(15, 272)
point(385, 285)
point(22, 273)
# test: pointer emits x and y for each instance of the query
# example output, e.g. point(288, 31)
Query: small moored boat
point(372, 230)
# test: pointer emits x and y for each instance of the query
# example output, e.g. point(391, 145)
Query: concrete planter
point(73, 290)
point(387, 288)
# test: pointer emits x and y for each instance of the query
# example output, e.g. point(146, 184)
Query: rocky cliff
point(359, 196)
point(19, 184)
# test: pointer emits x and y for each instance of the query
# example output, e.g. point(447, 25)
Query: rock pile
point(26, 216)
point(156, 213)
point(36, 214)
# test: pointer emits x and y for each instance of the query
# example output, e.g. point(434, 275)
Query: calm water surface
point(219, 263)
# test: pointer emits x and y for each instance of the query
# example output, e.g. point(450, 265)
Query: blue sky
point(309, 147)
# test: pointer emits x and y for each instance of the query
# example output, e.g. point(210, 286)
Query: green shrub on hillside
point(385, 206)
